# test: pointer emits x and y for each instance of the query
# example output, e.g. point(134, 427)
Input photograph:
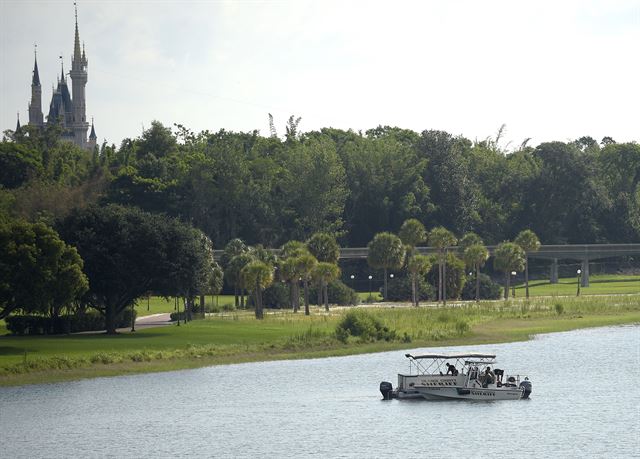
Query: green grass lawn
point(599, 285)
point(239, 337)
point(158, 305)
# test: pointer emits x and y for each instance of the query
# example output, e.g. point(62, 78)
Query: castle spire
point(76, 44)
point(93, 131)
point(18, 123)
point(36, 75)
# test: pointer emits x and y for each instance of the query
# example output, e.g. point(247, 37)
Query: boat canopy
point(450, 356)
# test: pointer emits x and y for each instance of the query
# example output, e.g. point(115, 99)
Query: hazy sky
point(549, 70)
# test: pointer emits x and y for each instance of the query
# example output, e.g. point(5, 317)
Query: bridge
point(580, 252)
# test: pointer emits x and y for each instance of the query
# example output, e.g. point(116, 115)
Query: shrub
point(90, 320)
point(339, 294)
point(559, 308)
point(363, 325)
point(399, 289)
point(489, 290)
point(276, 296)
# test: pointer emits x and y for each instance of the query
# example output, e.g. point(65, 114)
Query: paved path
point(154, 320)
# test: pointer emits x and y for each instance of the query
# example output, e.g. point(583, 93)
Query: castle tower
point(35, 106)
point(78, 74)
point(92, 137)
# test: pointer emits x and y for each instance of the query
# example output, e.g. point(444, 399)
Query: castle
point(68, 109)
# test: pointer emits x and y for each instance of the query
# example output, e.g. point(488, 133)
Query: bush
point(90, 320)
point(399, 289)
point(363, 325)
point(559, 308)
point(276, 296)
point(489, 290)
point(455, 276)
point(338, 292)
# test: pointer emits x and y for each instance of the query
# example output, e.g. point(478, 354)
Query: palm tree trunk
point(477, 282)
point(414, 300)
point(385, 284)
point(235, 294)
point(440, 278)
point(291, 298)
point(306, 298)
point(526, 275)
point(444, 279)
point(506, 286)
point(320, 284)
point(326, 295)
point(258, 302)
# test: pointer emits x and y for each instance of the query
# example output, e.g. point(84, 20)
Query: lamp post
point(370, 277)
point(513, 285)
point(579, 273)
point(353, 283)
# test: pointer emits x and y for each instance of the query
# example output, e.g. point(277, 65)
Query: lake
point(585, 403)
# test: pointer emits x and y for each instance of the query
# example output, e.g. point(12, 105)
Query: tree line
point(267, 190)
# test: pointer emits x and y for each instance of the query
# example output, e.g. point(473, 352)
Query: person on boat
point(488, 377)
point(452, 369)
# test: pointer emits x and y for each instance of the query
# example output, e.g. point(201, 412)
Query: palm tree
point(529, 242)
point(289, 274)
point(418, 265)
point(442, 238)
point(475, 255)
point(508, 257)
point(257, 275)
point(305, 264)
point(387, 252)
point(232, 272)
point(411, 234)
point(325, 273)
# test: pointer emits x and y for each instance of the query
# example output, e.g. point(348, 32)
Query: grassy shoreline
point(236, 339)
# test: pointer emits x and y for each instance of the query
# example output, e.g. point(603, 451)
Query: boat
point(456, 377)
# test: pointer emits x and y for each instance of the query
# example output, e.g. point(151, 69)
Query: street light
point(513, 286)
point(391, 275)
point(579, 273)
point(370, 277)
point(353, 282)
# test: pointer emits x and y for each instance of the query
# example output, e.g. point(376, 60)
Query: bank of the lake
point(237, 337)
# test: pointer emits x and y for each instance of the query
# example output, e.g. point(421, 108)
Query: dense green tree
point(128, 252)
point(470, 239)
point(442, 238)
point(38, 271)
point(508, 257)
point(385, 251)
point(456, 275)
point(417, 267)
point(529, 242)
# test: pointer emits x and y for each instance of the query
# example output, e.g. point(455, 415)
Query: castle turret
point(35, 106)
point(92, 137)
point(78, 75)
point(18, 124)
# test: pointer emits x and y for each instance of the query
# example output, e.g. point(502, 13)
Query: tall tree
point(417, 266)
point(442, 238)
point(38, 271)
point(257, 275)
point(529, 242)
point(305, 265)
point(385, 252)
point(412, 233)
point(508, 257)
point(326, 272)
point(233, 248)
point(475, 256)
point(128, 252)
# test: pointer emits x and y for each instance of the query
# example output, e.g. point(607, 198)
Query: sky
point(548, 70)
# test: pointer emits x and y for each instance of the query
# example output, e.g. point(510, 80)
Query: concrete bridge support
point(554, 271)
point(585, 273)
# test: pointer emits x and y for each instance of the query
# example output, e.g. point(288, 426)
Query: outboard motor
point(386, 388)
point(526, 388)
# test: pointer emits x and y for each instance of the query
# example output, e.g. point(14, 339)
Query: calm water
point(585, 402)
